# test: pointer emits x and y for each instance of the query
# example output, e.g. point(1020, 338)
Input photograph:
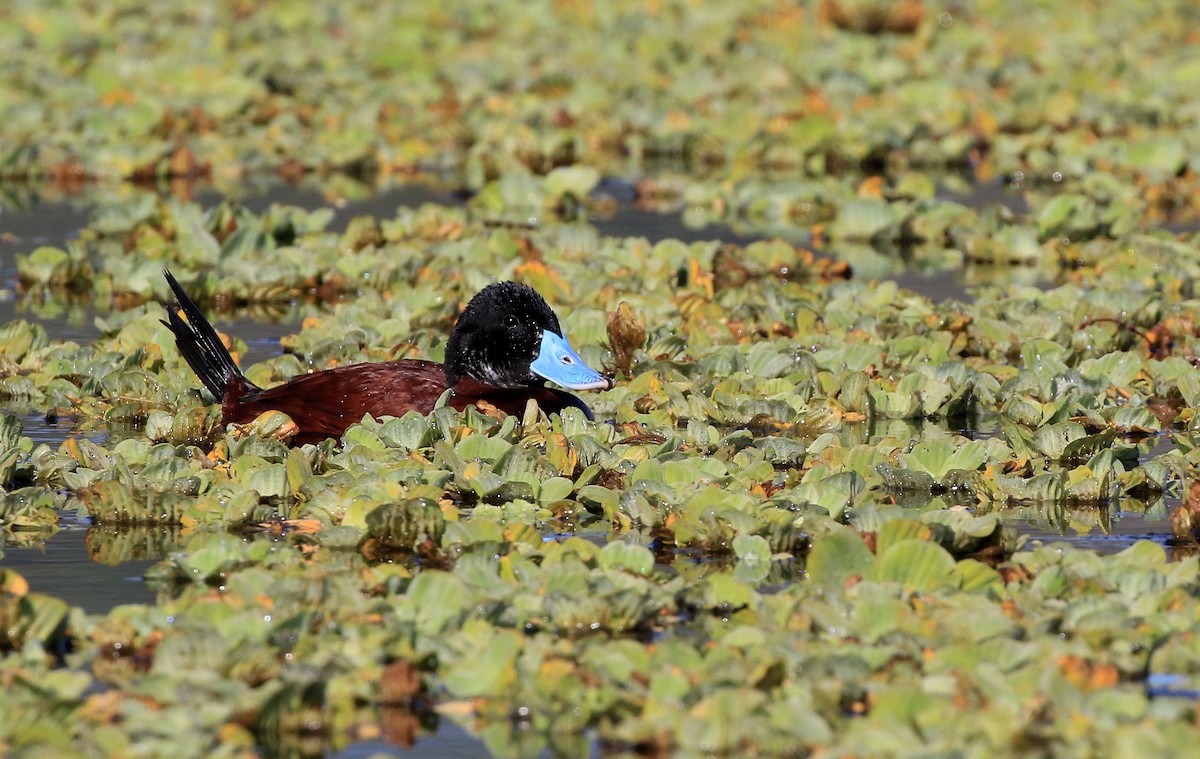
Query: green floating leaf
point(962, 533)
point(838, 556)
point(754, 558)
point(411, 431)
point(1067, 214)
point(576, 181)
point(119, 502)
point(916, 564)
point(939, 456)
point(482, 448)
point(555, 489)
point(627, 556)
point(863, 219)
point(906, 480)
point(599, 500)
point(975, 576)
point(53, 267)
point(40, 617)
point(10, 432)
point(299, 472)
point(405, 524)
point(895, 531)
point(435, 598)
point(488, 668)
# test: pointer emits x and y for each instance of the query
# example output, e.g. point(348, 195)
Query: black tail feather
point(199, 344)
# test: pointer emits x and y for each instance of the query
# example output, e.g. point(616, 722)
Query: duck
point(505, 346)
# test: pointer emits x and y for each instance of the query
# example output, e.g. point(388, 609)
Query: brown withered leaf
point(549, 282)
point(729, 270)
point(611, 479)
point(827, 269)
point(645, 405)
point(399, 682)
point(871, 187)
point(292, 170)
point(626, 336)
point(1166, 410)
point(1086, 674)
point(1185, 518)
point(649, 438)
point(399, 726)
point(873, 16)
point(528, 249)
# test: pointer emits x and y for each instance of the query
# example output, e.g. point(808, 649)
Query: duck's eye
point(511, 321)
point(567, 360)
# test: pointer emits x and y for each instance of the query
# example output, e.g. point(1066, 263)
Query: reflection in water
point(53, 431)
point(451, 740)
point(1104, 528)
point(299, 730)
point(119, 544)
point(62, 567)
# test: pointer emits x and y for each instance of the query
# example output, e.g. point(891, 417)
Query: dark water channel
point(63, 565)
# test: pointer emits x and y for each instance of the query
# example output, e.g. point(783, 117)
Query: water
point(1121, 531)
point(450, 740)
point(62, 566)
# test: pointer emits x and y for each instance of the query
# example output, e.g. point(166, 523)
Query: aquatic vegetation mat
point(784, 535)
point(831, 120)
point(773, 540)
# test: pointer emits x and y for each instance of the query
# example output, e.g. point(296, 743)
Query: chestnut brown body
point(325, 403)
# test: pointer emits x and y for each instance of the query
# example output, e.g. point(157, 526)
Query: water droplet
point(945, 20)
point(1056, 176)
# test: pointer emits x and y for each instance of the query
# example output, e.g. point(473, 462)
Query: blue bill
point(558, 362)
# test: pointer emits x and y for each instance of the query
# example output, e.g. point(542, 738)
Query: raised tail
point(199, 344)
